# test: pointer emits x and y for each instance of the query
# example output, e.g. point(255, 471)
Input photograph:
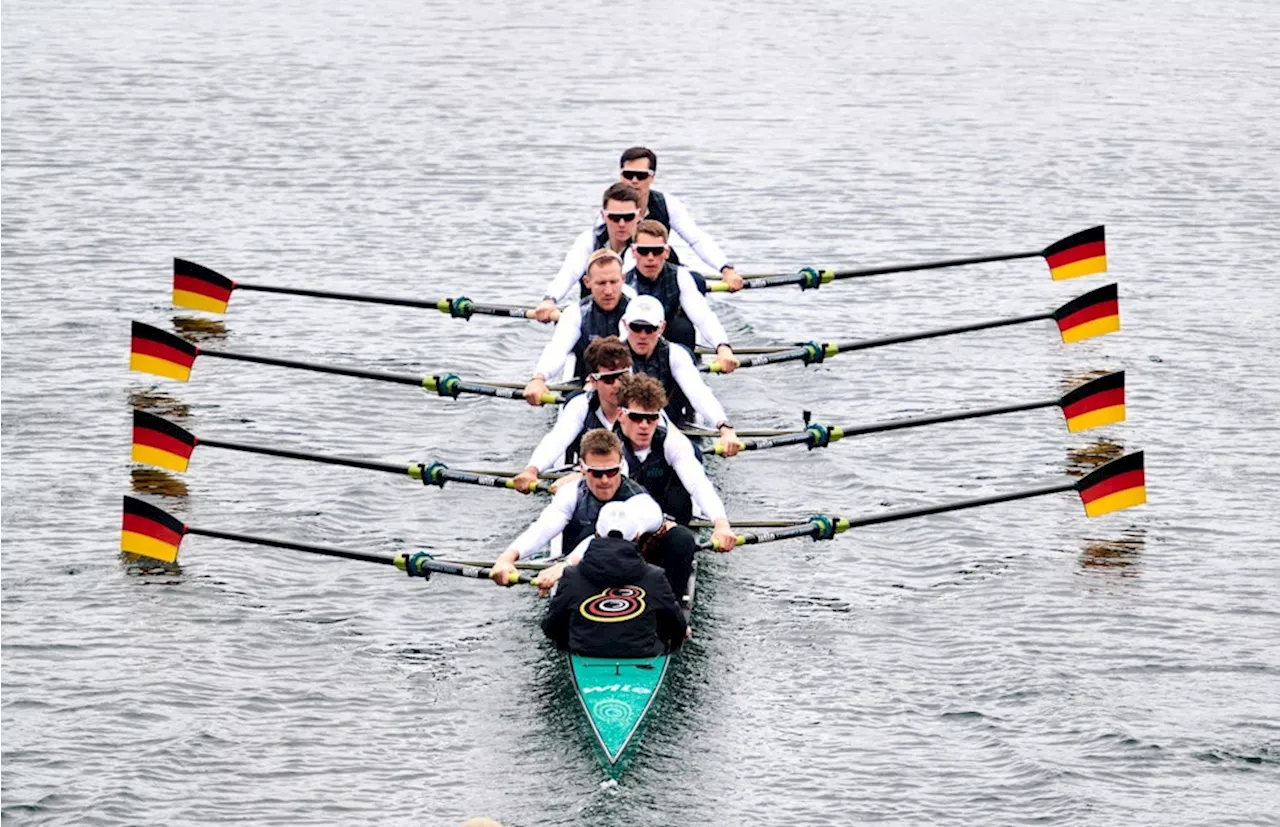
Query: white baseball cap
point(646, 513)
point(616, 520)
point(645, 309)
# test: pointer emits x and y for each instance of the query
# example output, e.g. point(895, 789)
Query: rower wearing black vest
point(664, 461)
point(614, 230)
point(676, 288)
point(673, 366)
point(596, 407)
point(573, 510)
point(580, 324)
point(639, 168)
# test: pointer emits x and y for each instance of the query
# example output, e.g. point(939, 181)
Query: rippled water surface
point(1013, 664)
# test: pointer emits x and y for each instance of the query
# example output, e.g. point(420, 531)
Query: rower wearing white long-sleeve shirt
point(580, 324)
point(683, 304)
point(614, 230)
point(639, 168)
point(672, 365)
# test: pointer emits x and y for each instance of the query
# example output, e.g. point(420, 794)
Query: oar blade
point(1119, 484)
point(199, 288)
point(153, 350)
point(149, 531)
point(1096, 403)
point(1096, 313)
point(159, 442)
point(1081, 254)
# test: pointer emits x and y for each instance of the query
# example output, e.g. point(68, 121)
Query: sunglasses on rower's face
point(641, 327)
point(620, 217)
point(602, 473)
point(610, 377)
point(636, 174)
point(640, 416)
point(647, 250)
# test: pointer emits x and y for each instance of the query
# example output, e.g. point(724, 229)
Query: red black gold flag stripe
point(152, 350)
point(200, 288)
point(1093, 314)
point(157, 441)
point(1082, 254)
point(149, 531)
point(1095, 403)
point(1119, 484)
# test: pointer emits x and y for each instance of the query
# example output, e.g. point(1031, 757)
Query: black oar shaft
point(845, 347)
point(326, 551)
point(960, 505)
point(350, 462)
point(399, 378)
point(917, 422)
point(330, 294)
point(932, 265)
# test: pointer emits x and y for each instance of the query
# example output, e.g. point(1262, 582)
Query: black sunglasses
point(602, 473)
point(641, 327)
point(609, 378)
point(655, 250)
point(641, 416)
point(619, 217)
point(636, 174)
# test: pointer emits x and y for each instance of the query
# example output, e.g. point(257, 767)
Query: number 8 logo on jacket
point(614, 605)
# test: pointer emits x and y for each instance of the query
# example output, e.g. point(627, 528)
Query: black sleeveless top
point(659, 478)
point(595, 324)
point(588, 424)
point(583, 522)
point(658, 365)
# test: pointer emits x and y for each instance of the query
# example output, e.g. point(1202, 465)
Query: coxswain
point(573, 509)
point(614, 230)
point(639, 167)
point(608, 359)
point(597, 315)
point(643, 323)
point(683, 304)
point(642, 617)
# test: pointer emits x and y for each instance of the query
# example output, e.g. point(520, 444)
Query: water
point(1005, 665)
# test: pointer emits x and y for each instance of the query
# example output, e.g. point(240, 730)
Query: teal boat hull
point(616, 695)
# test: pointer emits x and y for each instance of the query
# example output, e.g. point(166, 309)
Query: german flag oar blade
point(152, 350)
point(1096, 403)
point(1081, 254)
point(1094, 314)
point(200, 288)
point(1119, 484)
point(150, 531)
point(159, 442)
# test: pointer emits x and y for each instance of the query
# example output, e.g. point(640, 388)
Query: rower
point(595, 316)
point(572, 513)
point(655, 274)
point(643, 323)
point(664, 461)
point(639, 167)
point(613, 604)
point(608, 359)
point(614, 230)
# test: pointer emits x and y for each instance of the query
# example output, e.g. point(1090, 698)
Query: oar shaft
point(442, 305)
point(350, 462)
point(326, 551)
point(917, 422)
point(862, 272)
point(846, 347)
point(909, 513)
point(398, 378)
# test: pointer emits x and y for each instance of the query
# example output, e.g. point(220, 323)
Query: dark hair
point(652, 227)
point(620, 192)
point(606, 351)
point(635, 153)
point(600, 443)
point(643, 390)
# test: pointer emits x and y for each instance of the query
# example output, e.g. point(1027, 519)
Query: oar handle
point(419, 564)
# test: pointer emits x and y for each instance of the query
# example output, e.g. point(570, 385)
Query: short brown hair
point(620, 192)
point(652, 227)
point(635, 153)
point(600, 443)
point(606, 352)
point(641, 390)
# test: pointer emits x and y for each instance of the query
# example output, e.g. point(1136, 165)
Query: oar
point(1119, 484)
point(1093, 314)
point(153, 532)
point(159, 442)
point(200, 288)
point(164, 354)
point(1081, 254)
point(1093, 404)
